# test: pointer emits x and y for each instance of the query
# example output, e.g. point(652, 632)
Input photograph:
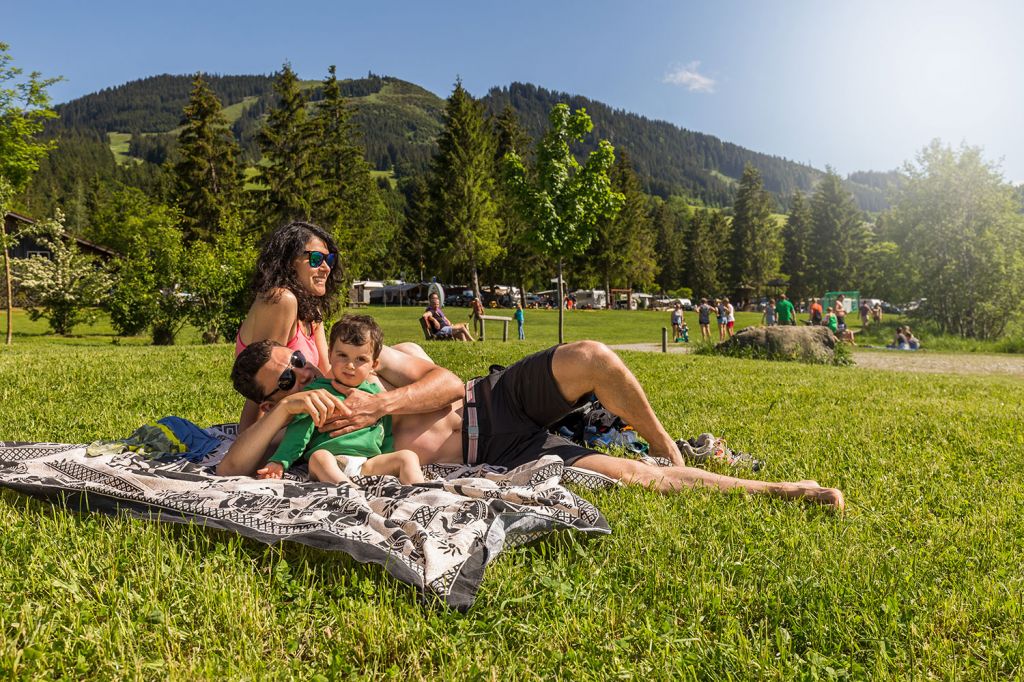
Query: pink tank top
point(302, 342)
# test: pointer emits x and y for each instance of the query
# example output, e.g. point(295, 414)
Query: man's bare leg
point(677, 478)
point(413, 349)
point(587, 367)
point(590, 367)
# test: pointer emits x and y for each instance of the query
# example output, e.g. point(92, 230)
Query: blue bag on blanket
point(170, 435)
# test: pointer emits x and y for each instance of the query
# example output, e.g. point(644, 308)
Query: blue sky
point(857, 85)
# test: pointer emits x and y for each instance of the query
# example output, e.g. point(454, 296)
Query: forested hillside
point(399, 123)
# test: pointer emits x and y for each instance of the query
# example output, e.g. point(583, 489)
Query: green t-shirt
point(784, 310)
point(301, 438)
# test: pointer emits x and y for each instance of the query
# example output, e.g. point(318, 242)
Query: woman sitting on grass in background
point(294, 290)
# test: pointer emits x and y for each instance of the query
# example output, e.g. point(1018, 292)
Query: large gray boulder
point(807, 344)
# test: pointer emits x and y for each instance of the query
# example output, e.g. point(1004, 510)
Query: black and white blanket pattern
point(438, 536)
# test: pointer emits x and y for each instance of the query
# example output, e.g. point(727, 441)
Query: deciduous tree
point(24, 108)
point(561, 199)
point(960, 230)
point(65, 287)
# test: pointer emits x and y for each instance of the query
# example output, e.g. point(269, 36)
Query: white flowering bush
point(65, 288)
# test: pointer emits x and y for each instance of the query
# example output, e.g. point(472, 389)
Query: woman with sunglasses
point(294, 290)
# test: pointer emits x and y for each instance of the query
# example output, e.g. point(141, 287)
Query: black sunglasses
point(317, 258)
point(286, 381)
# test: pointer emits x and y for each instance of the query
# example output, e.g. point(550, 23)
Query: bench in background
point(497, 318)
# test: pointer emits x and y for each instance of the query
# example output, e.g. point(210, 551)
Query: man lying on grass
point(499, 419)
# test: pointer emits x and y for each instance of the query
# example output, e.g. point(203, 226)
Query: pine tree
point(796, 241)
point(705, 241)
point(415, 253)
point(522, 263)
point(462, 187)
point(755, 254)
point(623, 251)
point(207, 182)
point(838, 239)
point(670, 247)
point(287, 142)
point(348, 201)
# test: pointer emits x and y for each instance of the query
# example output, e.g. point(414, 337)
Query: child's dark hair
point(358, 330)
point(247, 364)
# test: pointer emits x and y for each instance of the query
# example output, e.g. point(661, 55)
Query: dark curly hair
point(275, 270)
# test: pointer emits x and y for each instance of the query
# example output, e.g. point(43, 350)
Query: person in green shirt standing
point(784, 311)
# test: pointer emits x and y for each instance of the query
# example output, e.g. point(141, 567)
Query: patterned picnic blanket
point(438, 536)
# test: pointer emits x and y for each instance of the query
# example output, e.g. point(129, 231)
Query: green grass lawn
point(922, 577)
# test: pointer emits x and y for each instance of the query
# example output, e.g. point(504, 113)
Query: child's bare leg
point(402, 463)
point(323, 466)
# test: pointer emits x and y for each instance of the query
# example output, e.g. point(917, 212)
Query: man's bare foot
point(830, 497)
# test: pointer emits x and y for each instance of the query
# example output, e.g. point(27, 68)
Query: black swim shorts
point(507, 414)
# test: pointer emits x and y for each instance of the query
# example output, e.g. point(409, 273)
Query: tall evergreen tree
point(287, 142)
point(415, 253)
point(838, 239)
point(623, 250)
point(462, 187)
point(522, 264)
point(796, 237)
point(755, 253)
point(347, 200)
point(670, 245)
point(706, 243)
point(207, 181)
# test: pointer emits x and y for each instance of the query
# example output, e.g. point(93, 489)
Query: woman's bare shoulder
point(272, 316)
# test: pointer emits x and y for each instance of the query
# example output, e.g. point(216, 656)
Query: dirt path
point(941, 363)
point(899, 361)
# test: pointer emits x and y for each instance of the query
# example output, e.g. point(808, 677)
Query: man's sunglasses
point(286, 381)
point(317, 258)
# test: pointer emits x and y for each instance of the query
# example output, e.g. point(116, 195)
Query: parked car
point(914, 305)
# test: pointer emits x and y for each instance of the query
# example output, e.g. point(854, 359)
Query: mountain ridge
point(400, 121)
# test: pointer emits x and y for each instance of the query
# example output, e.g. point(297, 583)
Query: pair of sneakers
point(707, 448)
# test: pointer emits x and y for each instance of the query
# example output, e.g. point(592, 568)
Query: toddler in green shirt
point(355, 346)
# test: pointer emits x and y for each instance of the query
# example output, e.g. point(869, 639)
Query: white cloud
point(690, 78)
